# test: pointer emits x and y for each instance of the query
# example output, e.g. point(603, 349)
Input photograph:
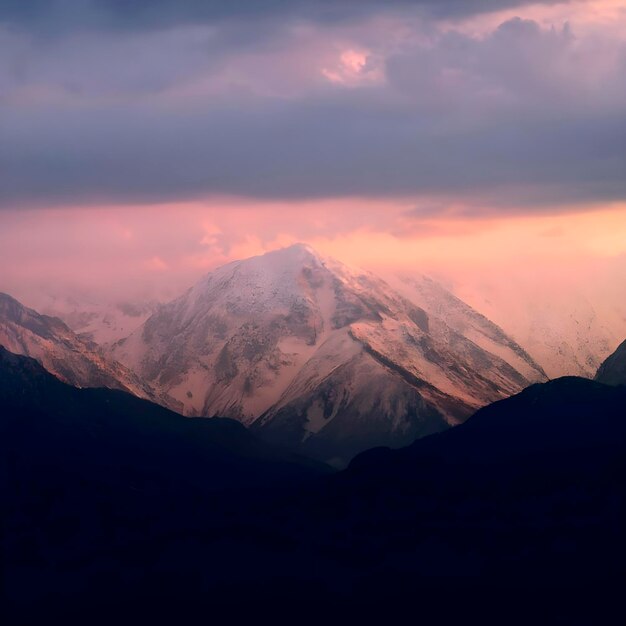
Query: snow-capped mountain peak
point(317, 354)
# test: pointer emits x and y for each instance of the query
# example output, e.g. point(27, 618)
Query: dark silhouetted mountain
point(324, 359)
point(523, 506)
point(88, 473)
point(63, 353)
point(115, 509)
point(613, 370)
point(108, 430)
point(564, 416)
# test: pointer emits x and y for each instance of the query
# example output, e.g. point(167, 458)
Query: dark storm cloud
point(63, 15)
point(524, 116)
point(297, 151)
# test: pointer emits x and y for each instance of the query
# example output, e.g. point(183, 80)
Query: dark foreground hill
point(93, 477)
point(516, 517)
point(519, 512)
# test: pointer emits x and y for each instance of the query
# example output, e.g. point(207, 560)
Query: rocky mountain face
point(61, 352)
point(436, 300)
point(323, 358)
point(613, 370)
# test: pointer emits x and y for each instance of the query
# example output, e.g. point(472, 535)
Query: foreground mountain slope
point(315, 355)
point(88, 474)
point(613, 370)
point(61, 352)
point(562, 417)
point(528, 496)
point(115, 436)
point(515, 517)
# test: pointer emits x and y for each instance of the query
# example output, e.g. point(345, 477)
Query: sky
point(143, 143)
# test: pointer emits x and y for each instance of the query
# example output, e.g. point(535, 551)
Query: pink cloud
point(157, 252)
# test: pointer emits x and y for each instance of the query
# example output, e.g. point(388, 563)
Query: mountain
point(126, 433)
point(567, 418)
point(99, 475)
point(319, 357)
point(439, 302)
point(64, 354)
point(525, 498)
point(115, 507)
point(613, 370)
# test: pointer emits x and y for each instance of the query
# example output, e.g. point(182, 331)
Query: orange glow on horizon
point(163, 249)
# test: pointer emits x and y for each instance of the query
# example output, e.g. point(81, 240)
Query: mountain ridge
point(61, 352)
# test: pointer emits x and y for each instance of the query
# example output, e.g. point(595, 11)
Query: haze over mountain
point(321, 357)
point(64, 354)
point(613, 370)
point(98, 320)
point(569, 326)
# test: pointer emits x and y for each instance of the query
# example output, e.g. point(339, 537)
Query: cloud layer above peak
point(59, 16)
point(169, 101)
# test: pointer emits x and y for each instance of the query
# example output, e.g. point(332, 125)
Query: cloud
point(157, 252)
point(523, 116)
point(59, 16)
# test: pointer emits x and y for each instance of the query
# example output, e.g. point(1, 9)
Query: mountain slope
point(61, 352)
point(527, 495)
point(114, 503)
point(110, 428)
point(613, 370)
point(99, 476)
point(438, 301)
point(561, 418)
point(304, 348)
